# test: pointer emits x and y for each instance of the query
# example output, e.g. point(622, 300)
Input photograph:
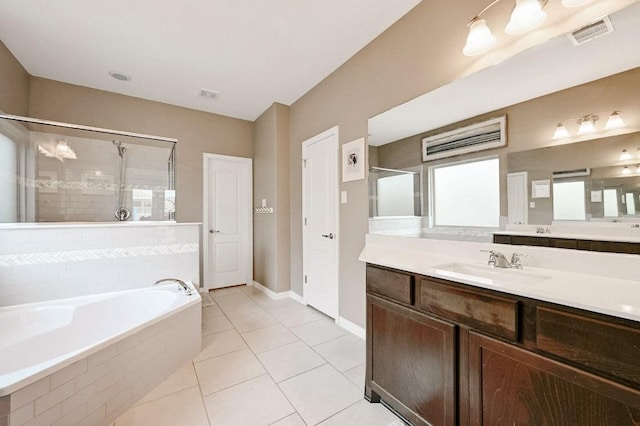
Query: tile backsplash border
point(51, 261)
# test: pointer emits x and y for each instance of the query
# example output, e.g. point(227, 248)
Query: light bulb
point(614, 121)
point(526, 15)
point(625, 155)
point(480, 38)
point(586, 125)
point(560, 132)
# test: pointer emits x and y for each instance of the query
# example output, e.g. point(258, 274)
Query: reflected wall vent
point(592, 31)
point(477, 137)
point(207, 93)
point(571, 173)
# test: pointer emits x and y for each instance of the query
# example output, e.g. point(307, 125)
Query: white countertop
point(49, 225)
point(597, 282)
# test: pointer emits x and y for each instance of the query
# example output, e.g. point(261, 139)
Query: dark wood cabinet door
point(511, 386)
point(413, 363)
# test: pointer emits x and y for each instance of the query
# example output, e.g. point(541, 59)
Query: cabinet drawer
point(610, 348)
point(395, 285)
point(492, 314)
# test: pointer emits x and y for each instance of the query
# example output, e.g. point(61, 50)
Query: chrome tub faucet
point(181, 283)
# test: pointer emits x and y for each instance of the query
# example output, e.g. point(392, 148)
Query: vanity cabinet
point(445, 353)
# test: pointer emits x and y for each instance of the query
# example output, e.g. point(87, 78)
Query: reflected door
point(517, 198)
point(227, 230)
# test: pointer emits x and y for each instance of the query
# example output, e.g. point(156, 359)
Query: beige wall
point(417, 54)
point(197, 132)
point(271, 182)
point(14, 84)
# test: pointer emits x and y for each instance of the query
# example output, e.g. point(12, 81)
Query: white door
point(227, 221)
point(320, 221)
point(517, 198)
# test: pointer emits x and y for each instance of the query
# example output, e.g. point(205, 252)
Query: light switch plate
point(343, 197)
point(532, 204)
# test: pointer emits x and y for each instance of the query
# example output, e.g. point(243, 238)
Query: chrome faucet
point(181, 283)
point(498, 260)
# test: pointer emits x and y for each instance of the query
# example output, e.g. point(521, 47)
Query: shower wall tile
point(52, 262)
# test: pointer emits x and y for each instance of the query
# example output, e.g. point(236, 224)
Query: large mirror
point(580, 177)
point(59, 172)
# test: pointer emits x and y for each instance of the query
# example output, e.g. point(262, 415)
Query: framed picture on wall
point(353, 160)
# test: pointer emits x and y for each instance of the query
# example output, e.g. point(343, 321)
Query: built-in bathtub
point(87, 359)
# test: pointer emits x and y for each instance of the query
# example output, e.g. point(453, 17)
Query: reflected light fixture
point(526, 16)
point(560, 132)
point(626, 170)
point(60, 151)
point(625, 155)
point(587, 124)
point(638, 168)
point(614, 121)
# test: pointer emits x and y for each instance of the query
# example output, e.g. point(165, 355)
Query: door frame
point(247, 164)
point(335, 141)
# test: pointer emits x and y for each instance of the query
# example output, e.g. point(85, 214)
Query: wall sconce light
point(614, 121)
point(625, 156)
point(638, 168)
point(587, 124)
point(526, 16)
point(560, 132)
point(626, 170)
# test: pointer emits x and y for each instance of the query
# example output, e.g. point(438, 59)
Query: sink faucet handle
point(516, 260)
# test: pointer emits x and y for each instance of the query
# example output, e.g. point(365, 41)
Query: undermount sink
point(486, 274)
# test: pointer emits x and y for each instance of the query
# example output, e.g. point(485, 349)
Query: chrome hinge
point(305, 221)
point(305, 279)
point(304, 163)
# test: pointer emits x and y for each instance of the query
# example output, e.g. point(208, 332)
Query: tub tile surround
point(265, 376)
point(43, 262)
point(100, 387)
point(600, 282)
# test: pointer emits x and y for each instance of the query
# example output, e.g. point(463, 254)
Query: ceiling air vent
point(211, 94)
point(592, 31)
point(477, 137)
point(571, 173)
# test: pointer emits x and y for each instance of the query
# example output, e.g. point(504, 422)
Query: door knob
point(213, 231)
point(329, 236)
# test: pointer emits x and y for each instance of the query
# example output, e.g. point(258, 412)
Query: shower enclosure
point(60, 172)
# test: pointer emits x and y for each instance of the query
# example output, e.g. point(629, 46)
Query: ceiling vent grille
point(477, 137)
point(592, 31)
point(571, 173)
point(211, 94)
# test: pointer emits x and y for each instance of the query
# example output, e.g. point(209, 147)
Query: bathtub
point(119, 343)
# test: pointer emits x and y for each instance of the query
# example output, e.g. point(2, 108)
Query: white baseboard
point(281, 295)
point(351, 327)
point(341, 321)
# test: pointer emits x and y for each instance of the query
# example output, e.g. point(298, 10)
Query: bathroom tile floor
point(264, 362)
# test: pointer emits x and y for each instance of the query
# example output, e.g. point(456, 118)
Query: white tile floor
point(264, 362)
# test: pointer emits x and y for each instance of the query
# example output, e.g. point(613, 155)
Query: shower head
point(121, 149)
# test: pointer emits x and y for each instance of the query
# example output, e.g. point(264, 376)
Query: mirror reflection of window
point(142, 204)
point(467, 194)
point(396, 195)
point(610, 203)
point(569, 201)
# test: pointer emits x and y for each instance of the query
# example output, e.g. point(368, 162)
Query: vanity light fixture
point(526, 16)
point(614, 121)
point(638, 168)
point(560, 132)
point(625, 155)
point(626, 170)
point(587, 124)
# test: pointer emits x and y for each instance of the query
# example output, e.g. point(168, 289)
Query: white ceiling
point(537, 71)
point(254, 52)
